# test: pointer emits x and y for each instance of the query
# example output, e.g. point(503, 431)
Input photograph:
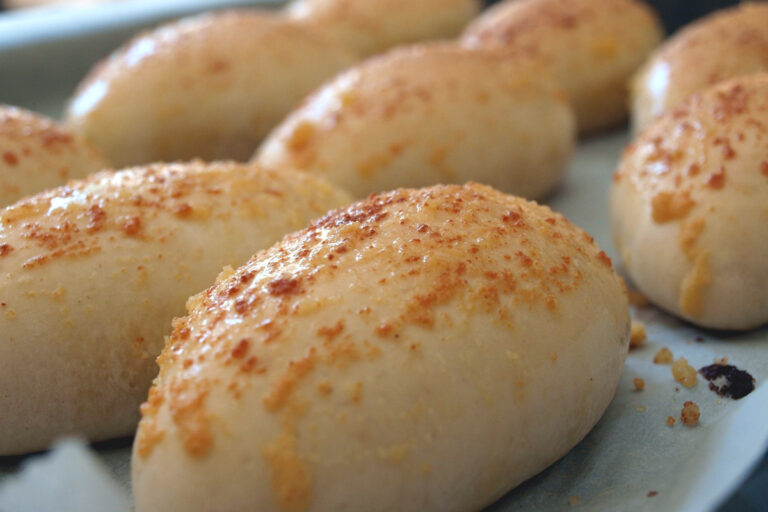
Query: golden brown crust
point(691, 189)
point(93, 272)
point(288, 356)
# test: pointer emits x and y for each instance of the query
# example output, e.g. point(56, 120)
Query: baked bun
point(591, 46)
point(372, 26)
point(421, 350)
point(91, 275)
point(723, 45)
point(210, 86)
point(689, 207)
point(430, 114)
point(36, 154)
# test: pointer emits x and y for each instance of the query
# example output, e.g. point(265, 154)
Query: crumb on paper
point(663, 356)
point(640, 408)
point(684, 373)
point(574, 500)
point(723, 361)
point(699, 339)
point(637, 334)
point(651, 494)
point(637, 299)
point(690, 414)
point(671, 421)
point(639, 384)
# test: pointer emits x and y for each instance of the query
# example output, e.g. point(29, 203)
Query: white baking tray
point(631, 453)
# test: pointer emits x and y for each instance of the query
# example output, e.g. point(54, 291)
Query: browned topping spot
point(183, 210)
point(637, 335)
point(717, 180)
point(639, 384)
point(669, 206)
point(97, 217)
point(147, 438)
point(694, 170)
point(684, 373)
point(5, 249)
point(301, 136)
point(282, 389)
point(132, 226)
point(604, 259)
point(188, 413)
point(690, 414)
point(671, 421)
point(10, 158)
point(330, 332)
point(241, 349)
point(663, 356)
point(689, 234)
point(285, 286)
point(727, 380)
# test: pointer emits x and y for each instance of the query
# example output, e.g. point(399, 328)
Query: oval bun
point(430, 114)
point(421, 350)
point(93, 273)
point(723, 45)
point(210, 87)
point(689, 207)
point(591, 47)
point(373, 26)
point(36, 154)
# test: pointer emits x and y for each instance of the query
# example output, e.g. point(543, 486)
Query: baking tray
point(630, 454)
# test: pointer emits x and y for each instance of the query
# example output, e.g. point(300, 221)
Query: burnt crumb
point(728, 381)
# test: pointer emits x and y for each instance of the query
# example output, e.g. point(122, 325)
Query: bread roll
point(591, 46)
point(36, 154)
point(690, 207)
point(723, 45)
point(430, 114)
point(421, 350)
point(372, 26)
point(209, 87)
point(91, 275)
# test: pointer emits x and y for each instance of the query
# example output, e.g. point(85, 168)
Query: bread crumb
point(637, 334)
point(690, 414)
point(684, 373)
point(637, 299)
point(663, 356)
point(639, 384)
point(574, 500)
point(671, 421)
point(640, 408)
point(651, 494)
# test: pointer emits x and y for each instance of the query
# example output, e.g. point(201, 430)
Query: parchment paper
point(631, 452)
